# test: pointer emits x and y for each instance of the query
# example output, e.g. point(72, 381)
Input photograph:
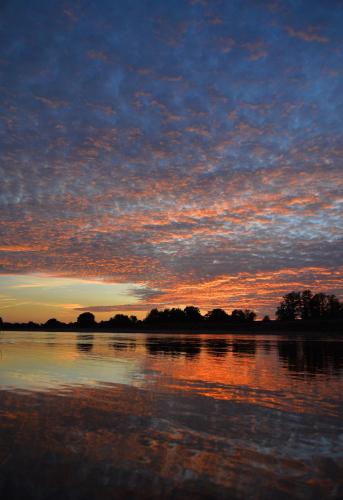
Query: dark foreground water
point(159, 416)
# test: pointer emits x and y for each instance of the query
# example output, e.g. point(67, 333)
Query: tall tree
point(192, 313)
point(305, 305)
point(86, 320)
point(217, 316)
point(290, 307)
point(305, 299)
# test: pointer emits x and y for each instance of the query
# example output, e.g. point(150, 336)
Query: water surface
point(175, 416)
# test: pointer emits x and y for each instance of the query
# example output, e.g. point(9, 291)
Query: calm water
point(159, 416)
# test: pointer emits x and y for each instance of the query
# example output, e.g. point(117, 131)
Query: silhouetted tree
point(53, 323)
point(217, 316)
point(289, 309)
point(120, 320)
point(86, 320)
point(238, 315)
point(266, 318)
point(154, 317)
point(325, 306)
point(192, 314)
point(307, 306)
point(250, 315)
point(335, 307)
point(242, 316)
point(31, 325)
point(167, 316)
point(174, 315)
point(319, 306)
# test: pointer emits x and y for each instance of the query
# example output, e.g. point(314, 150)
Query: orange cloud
point(311, 35)
point(23, 248)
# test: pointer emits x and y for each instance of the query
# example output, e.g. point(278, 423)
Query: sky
point(164, 154)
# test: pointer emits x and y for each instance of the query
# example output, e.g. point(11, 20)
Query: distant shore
point(298, 313)
point(257, 327)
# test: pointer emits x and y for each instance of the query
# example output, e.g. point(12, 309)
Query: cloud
point(119, 308)
point(256, 49)
point(260, 290)
point(198, 130)
point(310, 35)
point(156, 152)
point(51, 103)
point(23, 248)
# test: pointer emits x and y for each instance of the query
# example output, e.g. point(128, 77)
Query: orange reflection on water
point(249, 369)
point(201, 416)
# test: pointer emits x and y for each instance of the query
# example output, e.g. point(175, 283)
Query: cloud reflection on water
point(141, 416)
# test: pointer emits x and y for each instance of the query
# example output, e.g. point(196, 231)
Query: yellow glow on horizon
point(40, 297)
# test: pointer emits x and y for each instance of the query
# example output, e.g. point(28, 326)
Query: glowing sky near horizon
point(168, 153)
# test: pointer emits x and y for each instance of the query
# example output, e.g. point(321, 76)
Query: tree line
point(175, 317)
point(294, 307)
point(189, 316)
point(308, 306)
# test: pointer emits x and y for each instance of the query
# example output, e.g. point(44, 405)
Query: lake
point(97, 416)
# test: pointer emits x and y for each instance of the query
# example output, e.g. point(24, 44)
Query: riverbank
point(256, 327)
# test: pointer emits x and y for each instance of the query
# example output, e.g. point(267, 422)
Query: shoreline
point(256, 328)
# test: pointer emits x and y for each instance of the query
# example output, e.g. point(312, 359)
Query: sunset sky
point(168, 153)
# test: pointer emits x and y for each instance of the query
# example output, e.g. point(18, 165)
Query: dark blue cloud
point(168, 136)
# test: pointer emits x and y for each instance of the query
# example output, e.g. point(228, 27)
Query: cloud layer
point(192, 148)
